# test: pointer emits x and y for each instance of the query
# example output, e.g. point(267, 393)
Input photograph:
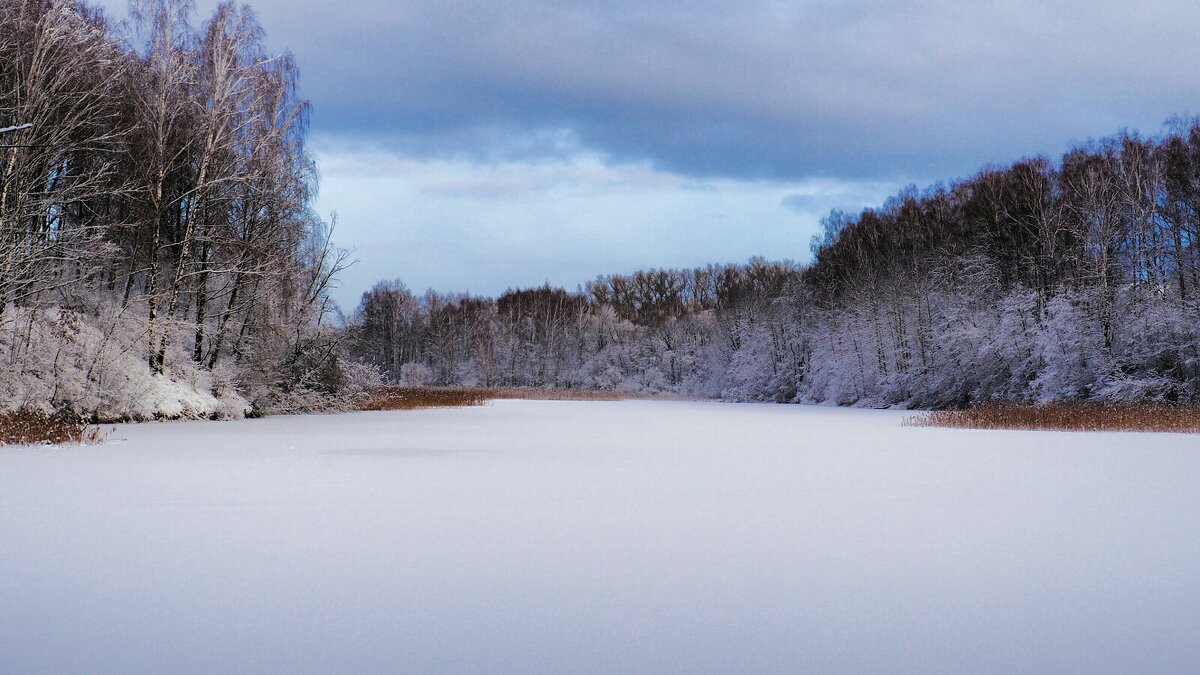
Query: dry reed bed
point(412, 398)
point(1068, 417)
point(26, 427)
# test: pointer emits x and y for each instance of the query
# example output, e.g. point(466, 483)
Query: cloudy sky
point(474, 145)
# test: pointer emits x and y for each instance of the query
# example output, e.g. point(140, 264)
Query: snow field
point(635, 536)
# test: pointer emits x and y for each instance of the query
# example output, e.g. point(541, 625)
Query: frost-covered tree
point(155, 208)
point(1038, 281)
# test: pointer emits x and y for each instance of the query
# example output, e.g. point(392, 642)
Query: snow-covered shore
point(600, 536)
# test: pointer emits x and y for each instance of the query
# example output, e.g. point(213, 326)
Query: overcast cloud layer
point(748, 88)
point(771, 95)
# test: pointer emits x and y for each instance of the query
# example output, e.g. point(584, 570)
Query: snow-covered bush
point(94, 367)
point(415, 374)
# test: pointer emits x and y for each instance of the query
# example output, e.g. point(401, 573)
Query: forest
point(159, 256)
point(1068, 280)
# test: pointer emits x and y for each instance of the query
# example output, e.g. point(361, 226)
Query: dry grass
point(33, 428)
point(560, 394)
point(1067, 417)
point(412, 398)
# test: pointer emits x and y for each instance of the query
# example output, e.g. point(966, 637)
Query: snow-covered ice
point(611, 536)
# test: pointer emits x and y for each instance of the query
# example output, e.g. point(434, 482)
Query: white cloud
point(457, 225)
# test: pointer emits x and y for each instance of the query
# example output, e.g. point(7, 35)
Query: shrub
point(415, 374)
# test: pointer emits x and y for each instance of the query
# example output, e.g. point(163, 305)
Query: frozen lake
point(600, 537)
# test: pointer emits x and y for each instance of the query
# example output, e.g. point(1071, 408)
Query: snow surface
point(618, 536)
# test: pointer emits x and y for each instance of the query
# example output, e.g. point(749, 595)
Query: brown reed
point(412, 398)
point(1068, 416)
point(29, 427)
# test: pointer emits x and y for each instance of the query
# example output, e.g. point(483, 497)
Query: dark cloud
point(755, 88)
point(821, 203)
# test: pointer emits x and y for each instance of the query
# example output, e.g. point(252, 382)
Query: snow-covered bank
point(93, 367)
point(600, 536)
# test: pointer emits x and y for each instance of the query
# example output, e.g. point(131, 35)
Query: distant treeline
point(1075, 280)
point(158, 253)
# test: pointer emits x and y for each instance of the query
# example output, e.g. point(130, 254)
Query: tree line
point(1076, 279)
point(656, 330)
point(158, 250)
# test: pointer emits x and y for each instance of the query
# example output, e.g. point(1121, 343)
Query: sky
point(478, 145)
